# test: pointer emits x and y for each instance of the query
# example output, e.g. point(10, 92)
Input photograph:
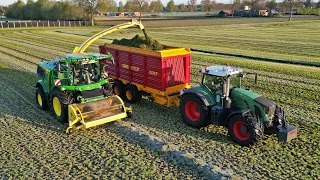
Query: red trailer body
point(161, 73)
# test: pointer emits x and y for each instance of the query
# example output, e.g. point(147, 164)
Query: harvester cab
point(221, 100)
point(76, 88)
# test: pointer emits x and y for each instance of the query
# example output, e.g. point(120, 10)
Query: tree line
point(85, 9)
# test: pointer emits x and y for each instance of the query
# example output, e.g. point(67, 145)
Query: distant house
point(137, 14)
point(226, 12)
point(263, 13)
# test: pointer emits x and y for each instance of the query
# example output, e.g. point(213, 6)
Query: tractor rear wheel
point(245, 130)
point(59, 103)
point(132, 94)
point(193, 111)
point(41, 99)
point(117, 88)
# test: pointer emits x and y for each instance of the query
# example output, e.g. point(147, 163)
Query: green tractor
point(76, 88)
point(220, 100)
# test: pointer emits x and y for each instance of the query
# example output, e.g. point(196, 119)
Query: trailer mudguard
point(202, 93)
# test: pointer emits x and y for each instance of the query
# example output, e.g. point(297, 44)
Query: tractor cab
point(219, 80)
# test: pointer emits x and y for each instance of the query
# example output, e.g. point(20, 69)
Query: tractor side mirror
point(112, 60)
point(58, 67)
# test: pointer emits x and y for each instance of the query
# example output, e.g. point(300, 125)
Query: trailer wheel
point(41, 99)
point(131, 93)
point(117, 88)
point(59, 103)
point(193, 111)
point(245, 130)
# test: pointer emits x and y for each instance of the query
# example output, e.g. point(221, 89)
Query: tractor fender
point(42, 84)
point(240, 111)
point(205, 97)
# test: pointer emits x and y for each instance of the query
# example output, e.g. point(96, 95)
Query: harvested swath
point(145, 42)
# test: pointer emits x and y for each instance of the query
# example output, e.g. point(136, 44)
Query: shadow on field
point(17, 100)
point(169, 120)
point(186, 162)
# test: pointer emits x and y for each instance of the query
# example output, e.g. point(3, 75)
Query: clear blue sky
point(7, 2)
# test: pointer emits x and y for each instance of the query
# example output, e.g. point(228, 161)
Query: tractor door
point(213, 84)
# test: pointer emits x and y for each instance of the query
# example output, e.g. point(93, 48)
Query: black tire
point(43, 105)
point(65, 99)
point(252, 129)
point(134, 93)
point(117, 88)
point(193, 111)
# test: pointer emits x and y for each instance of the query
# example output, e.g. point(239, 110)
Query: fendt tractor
point(220, 100)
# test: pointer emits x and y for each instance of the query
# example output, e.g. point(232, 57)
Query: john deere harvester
point(76, 89)
point(221, 100)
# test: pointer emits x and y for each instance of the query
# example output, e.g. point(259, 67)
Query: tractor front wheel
point(59, 103)
point(245, 130)
point(41, 99)
point(193, 111)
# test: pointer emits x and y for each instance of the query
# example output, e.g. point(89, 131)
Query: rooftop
point(221, 70)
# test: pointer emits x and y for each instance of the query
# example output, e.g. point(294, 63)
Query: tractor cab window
point(214, 83)
point(235, 81)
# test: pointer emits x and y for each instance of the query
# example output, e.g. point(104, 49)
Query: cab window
point(214, 83)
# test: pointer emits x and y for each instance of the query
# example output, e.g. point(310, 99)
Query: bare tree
point(192, 5)
point(140, 4)
point(235, 5)
point(90, 7)
point(291, 4)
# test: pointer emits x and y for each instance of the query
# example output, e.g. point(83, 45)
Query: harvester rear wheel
point(59, 103)
point(117, 88)
point(132, 94)
point(41, 99)
point(193, 111)
point(245, 130)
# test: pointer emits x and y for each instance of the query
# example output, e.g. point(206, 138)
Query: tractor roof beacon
point(221, 100)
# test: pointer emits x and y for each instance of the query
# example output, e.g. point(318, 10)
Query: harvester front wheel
point(245, 130)
point(117, 88)
point(59, 103)
point(193, 111)
point(132, 94)
point(41, 99)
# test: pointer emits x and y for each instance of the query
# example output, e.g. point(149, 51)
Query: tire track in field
point(35, 46)
point(74, 43)
point(18, 58)
point(27, 53)
point(35, 42)
point(301, 63)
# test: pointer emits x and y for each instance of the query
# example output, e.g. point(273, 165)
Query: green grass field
point(155, 143)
